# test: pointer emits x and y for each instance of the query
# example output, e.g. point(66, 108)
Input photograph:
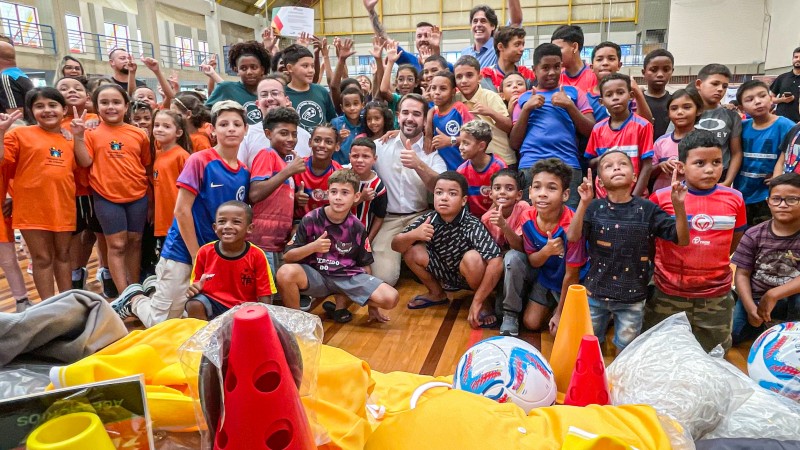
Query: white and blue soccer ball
point(507, 369)
point(774, 359)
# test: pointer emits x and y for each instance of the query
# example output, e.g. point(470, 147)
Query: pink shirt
point(665, 149)
point(514, 221)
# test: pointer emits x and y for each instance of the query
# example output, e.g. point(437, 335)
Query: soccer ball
point(774, 360)
point(504, 369)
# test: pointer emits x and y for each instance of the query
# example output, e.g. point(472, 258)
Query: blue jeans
point(627, 320)
point(786, 309)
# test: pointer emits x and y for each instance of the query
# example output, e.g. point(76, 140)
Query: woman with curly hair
point(251, 62)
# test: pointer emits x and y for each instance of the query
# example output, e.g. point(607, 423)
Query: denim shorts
point(627, 320)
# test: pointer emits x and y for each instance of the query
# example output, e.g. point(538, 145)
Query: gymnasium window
point(203, 53)
point(116, 36)
point(21, 24)
point(183, 50)
point(74, 34)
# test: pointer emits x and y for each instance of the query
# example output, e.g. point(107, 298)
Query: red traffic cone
point(262, 406)
point(588, 384)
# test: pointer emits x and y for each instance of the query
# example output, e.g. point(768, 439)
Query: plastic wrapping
point(667, 368)
point(23, 380)
point(763, 414)
point(204, 355)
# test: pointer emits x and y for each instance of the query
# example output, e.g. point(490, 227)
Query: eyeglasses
point(790, 201)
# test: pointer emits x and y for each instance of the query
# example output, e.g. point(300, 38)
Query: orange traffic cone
point(588, 385)
point(262, 406)
point(576, 322)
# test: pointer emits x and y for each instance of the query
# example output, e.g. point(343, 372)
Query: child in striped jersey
point(371, 207)
point(478, 166)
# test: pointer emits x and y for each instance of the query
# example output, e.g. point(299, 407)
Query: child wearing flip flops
point(449, 249)
point(330, 254)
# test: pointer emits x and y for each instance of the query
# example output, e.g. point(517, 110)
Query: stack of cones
point(262, 406)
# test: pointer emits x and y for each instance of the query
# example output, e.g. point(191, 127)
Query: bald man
point(13, 81)
point(118, 59)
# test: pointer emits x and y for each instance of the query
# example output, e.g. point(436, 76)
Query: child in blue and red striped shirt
point(478, 166)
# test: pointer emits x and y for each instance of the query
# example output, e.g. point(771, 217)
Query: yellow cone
point(576, 322)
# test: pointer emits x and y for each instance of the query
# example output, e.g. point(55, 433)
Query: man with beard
point(118, 59)
point(786, 90)
point(409, 174)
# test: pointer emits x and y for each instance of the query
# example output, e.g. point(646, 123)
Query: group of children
point(679, 179)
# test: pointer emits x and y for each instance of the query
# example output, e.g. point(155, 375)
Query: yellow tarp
point(442, 419)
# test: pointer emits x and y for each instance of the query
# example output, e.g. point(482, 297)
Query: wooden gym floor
point(428, 341)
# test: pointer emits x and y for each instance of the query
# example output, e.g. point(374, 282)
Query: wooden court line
point(442, 336)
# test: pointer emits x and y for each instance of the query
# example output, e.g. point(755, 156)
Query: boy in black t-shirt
point(657, 70)
point(618, 231)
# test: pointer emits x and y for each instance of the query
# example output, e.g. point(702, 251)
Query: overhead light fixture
point(260, 3)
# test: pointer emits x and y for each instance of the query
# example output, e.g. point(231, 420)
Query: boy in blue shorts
point(330, 254)
point(761, 139)
point(618, 232)
point(230, 271)
point(548, 117)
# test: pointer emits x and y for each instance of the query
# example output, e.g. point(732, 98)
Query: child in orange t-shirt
point(42, 164)
point(8, 248)
point(196, 114)
point(87, 228)
point(119, 156)
point(169, 131)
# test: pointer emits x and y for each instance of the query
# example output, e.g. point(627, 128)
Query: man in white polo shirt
point(409, 174)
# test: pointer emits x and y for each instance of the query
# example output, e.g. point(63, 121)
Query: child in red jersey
point(478, 166)
point(230, 271)
point(622, 131)
point(697, 279)
point(313, 182)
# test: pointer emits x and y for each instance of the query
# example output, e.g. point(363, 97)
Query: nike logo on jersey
point(215, 185)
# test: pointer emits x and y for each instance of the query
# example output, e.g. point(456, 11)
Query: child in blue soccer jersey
point(446, 118)
point(349, 124)
point(209, 178)
point(547, 118)
point(761, 139)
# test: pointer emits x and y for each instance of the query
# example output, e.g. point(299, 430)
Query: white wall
point(784, 34)
point(725, 31)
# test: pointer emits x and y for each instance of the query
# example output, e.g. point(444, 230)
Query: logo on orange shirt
point(116, 145)
point(55, 153)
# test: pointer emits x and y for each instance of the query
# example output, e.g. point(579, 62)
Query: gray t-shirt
point(724, 123)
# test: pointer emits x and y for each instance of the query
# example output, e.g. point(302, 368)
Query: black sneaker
point(81, 282)
point(122, 305)
point(109, 288)
point(305, 303)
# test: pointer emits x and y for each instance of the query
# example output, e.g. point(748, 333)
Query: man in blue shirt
point(483, 22)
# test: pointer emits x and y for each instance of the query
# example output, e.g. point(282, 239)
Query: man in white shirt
point(409, 174)
point(271, 94)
